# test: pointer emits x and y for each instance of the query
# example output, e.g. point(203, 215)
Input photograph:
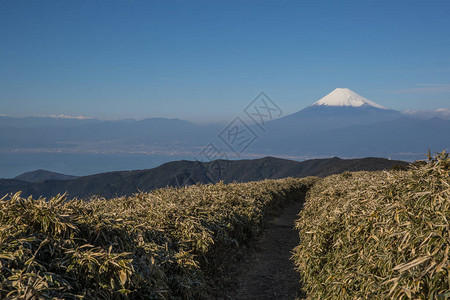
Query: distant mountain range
point(92, 134)
point(342, 123)
point(184, 172)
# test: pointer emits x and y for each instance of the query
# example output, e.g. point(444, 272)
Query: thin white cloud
point(443, 113)
point(425, 88)
point(66, 117)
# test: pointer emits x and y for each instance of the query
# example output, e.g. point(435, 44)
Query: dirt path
point(269, 273)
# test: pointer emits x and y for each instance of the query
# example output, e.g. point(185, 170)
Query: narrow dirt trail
point(269, 273)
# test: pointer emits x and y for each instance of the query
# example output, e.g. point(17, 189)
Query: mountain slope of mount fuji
point(340, 108)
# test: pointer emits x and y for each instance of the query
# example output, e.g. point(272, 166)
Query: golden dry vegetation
point(165, 244)
point(378, 235)
point(363, 235)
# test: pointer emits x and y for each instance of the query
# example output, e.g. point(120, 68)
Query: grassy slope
point(165, 244)
point(378, 235)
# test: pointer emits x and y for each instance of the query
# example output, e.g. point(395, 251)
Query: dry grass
point(160, 245)
point(378, 235)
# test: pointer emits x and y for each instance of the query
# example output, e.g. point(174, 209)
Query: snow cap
point(346, 97)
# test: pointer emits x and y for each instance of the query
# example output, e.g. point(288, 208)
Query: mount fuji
point(348, 124)
point(340, 108)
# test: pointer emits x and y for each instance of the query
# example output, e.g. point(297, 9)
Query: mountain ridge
point(186, 172)
point(43, 175)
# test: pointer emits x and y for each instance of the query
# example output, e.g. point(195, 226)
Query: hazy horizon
point(441, 112)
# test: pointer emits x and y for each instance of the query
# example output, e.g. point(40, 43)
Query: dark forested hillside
point(184, 172)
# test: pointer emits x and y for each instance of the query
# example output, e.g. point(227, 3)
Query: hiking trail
point(268, 273)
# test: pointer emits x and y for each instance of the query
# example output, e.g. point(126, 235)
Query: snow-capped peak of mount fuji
point(346, 97)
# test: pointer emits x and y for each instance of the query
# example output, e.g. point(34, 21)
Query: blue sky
point(206, 60)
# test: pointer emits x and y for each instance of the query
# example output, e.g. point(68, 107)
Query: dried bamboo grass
point(159, 245)
point(378, 235)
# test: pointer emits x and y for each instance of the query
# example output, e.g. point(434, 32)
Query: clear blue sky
point(205, 60)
